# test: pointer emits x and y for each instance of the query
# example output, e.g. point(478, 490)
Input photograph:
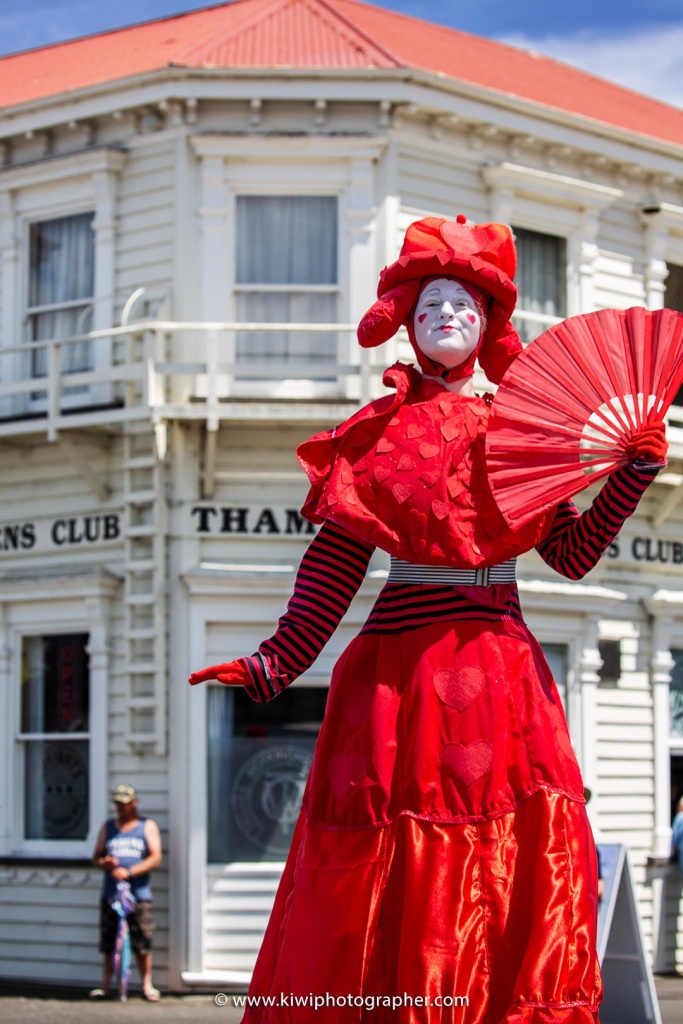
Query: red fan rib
point(572, 401)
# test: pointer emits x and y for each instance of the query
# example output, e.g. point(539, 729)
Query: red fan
point(571, 402)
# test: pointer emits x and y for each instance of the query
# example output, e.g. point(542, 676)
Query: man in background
point(128, 848)
point(677, 836)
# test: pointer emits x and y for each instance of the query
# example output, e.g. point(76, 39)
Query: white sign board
point(630, 996)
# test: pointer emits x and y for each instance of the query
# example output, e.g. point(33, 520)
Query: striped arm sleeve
point(329, 576)
point(577, 541)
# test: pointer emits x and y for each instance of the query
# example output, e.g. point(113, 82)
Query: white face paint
point(447, 322)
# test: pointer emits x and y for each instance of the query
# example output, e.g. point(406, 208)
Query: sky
point(637, 43)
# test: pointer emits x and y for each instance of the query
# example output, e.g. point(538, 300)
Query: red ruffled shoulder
point(317, 455)
point(408, 474)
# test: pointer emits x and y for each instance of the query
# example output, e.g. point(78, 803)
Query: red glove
point(232, 673)
point(648, 444)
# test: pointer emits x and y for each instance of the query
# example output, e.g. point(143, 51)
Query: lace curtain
point(541, 278)
point(61, 285)
point(286, 270)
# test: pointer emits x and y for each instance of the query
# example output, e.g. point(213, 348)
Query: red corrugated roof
point(516, 72)
point(327, 34)
point(277, 33)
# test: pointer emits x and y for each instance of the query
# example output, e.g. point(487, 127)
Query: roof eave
point(546, 112)
point(432, 80)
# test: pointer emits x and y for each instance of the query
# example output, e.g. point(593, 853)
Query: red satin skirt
point(443, 867)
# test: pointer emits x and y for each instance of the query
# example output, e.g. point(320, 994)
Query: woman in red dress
point(443, 857)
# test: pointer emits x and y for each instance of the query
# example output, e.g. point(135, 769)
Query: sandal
point(98, 994)
point(152, 995)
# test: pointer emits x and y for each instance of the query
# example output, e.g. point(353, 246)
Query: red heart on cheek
point(472, 318)
point(422, 317)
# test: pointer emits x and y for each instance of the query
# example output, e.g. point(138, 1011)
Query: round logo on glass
point(65, 785)
point(267, 793)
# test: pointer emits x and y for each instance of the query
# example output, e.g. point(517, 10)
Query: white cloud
point(649, 60)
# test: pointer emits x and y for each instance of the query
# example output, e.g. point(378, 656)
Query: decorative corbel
point(255, 112)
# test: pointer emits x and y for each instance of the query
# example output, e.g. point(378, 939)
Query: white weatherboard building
point(173, 198)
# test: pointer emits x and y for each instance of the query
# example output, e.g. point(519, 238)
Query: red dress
point(443, 850)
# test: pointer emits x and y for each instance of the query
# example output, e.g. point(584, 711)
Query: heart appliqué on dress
point(450, 430)
point(384, 446)
point(402, 492)
point(459, 687)
point(381, 474)
point(565, 744)
point(467, 763)
point(428, 451)
point(454, 486)
point(441, 509)
point(358, 703)
point(345, 771)
point(406, 463)
point(430, 478)
point(414, 430)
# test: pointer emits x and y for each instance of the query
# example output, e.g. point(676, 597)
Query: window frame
point(242, 385)
point(610, 650)
point(675, 739)
point(61, 186)
point(22, 739)
point(565, 687)
point(72, 604)
point(543, 320)
point(674, 415)
point(229, 695)
point(87, 303)
point(559, 205)
point(260, 165)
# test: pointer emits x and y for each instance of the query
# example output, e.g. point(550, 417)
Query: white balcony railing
point(160, 370)
point(169, 369)
point(530, 324)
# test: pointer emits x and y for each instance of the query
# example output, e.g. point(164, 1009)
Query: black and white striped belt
point(407, 572)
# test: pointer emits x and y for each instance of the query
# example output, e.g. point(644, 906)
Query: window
point(676, 782)
point(541, 280)
point(286, 271)
point(673, 294)
point(61, 288)
point(258, 761)
point(610, 670)
point(556, 656)
point(676, 696)
point(55, 692)
point(673, 299)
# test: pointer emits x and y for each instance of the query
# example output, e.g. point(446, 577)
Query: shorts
point(140, 923)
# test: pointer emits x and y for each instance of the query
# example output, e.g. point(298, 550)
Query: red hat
point(482, 255)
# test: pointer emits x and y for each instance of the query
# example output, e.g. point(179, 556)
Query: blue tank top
point(129, 848)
